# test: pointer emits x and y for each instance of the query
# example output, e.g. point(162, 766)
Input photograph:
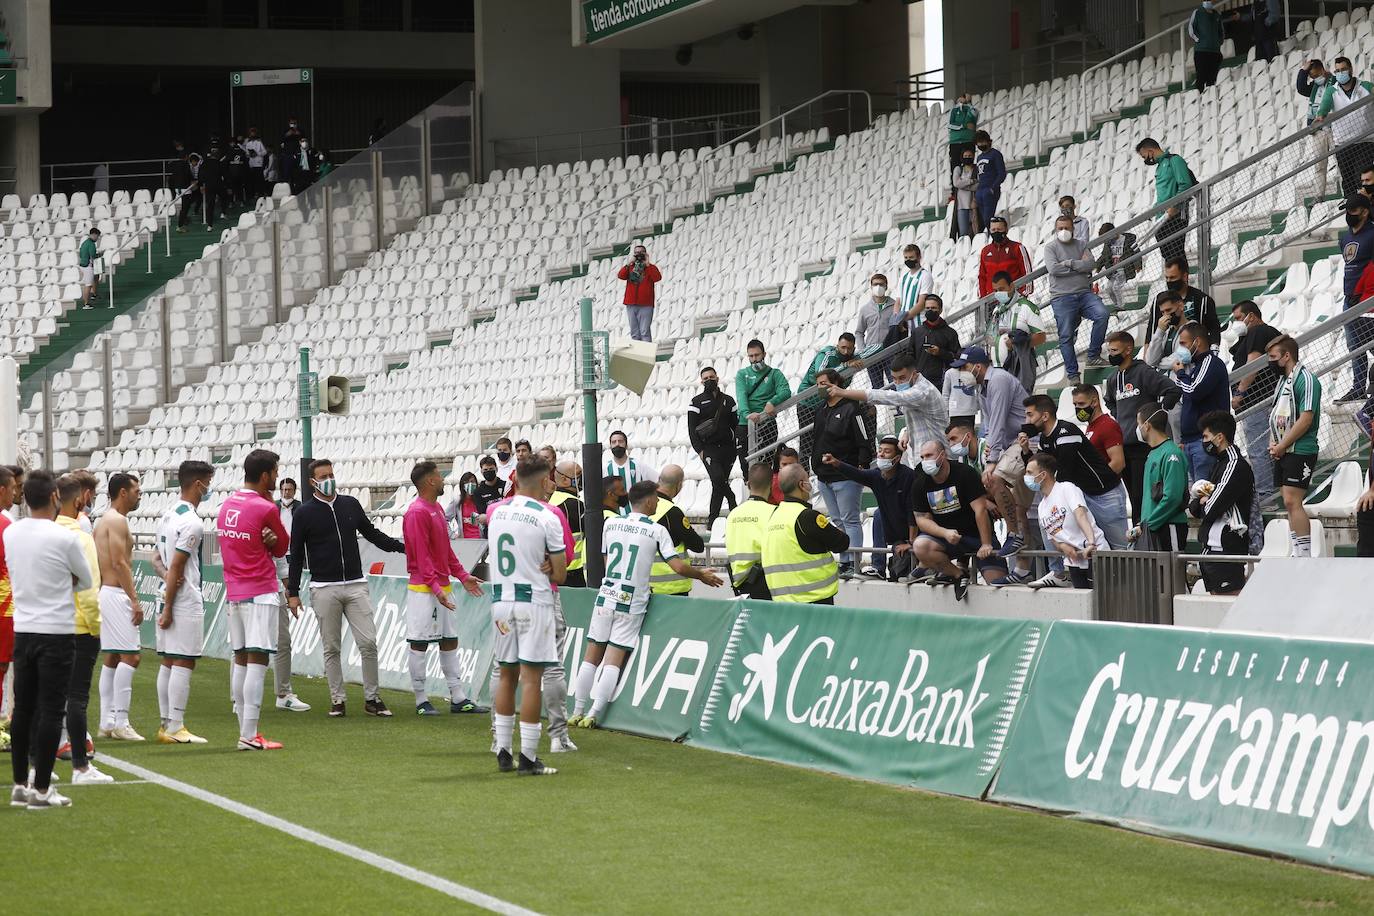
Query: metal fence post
point(328, 236)
point(426, 164)
point(47, 417)
point(276, 271)
point(107, 364)
point(165, 322)
point(223, 310)
point(376, 200)
point(1204, 237)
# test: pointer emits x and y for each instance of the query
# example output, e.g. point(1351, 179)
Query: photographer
point(640, 277)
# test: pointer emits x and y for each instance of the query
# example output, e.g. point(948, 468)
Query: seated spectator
point(1016, 329)
point(891, 483)
point(1066, 522)
point(1222, 505)
point(954, 522)
point(1163, 519)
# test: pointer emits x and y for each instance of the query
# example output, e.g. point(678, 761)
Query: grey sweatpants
point(281, 661)
point(555, 683)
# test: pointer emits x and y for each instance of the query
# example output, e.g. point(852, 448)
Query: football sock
point(164, 676)
point(106, 697)
point(417, 675)
point(1302, 546)
point(123, 691)
point(253, 680)
point(178, 691)
point(582, 688)
point(453, 673)
point(529, 740)
point(236, 676)
point(505, 728)
point(604, 689)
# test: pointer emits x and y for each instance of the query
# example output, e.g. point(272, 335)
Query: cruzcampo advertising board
point(666, 678)
point(914, 699)
point(1252, 741)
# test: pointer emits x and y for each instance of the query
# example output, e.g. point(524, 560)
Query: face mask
point(1317, 80)
point(470, 487)
point(1183, 355)
point(489, 475)
point(968, 163)
point(1353, 220)
point(624, 502)
point(999, 237)
point(1174, 285)
point(1116, 359)
point(1064, 235)
point(1083, 414)
point(879, 291)
point(912, 263)
point(1067, 211)
point(931, 466)
point(958, 452)
point(1150, 160)
point(901, 386)
point(1368, 190)
point(325, 487)
point(932, 318)
point(1342, 76)
point(1031, 483)
point(883, 464)
point(1211, 449)
point(1141, 434)
point(710, 385)
point(618, 451)
point(1003, 296)
point(1030, 430)
point(641, 257)
point(1207, 5)
point(502, 456)
point(967, 378)
point(985, 146)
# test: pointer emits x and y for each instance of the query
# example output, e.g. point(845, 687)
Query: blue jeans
point(965, 221)
point(879, 540)
point(1357, 334)
point(1109, 511)
point(1199, 462)
point(641, 320)
point(842, 502)
point(1069, 310)
point(986, 200)
point(1257, 452)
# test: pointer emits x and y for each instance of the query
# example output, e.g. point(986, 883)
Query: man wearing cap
point(1357, 250)
point(1000, 401)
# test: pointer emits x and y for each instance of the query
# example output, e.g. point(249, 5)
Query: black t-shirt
point(1080, 463)
point(951, 502)
point(488, 493)
point(1266, 381)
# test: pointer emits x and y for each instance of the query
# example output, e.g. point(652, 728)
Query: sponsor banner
point(665, 680)
point(607, 17)
point(148, 585)
point(914, 699)
point(1251, 741)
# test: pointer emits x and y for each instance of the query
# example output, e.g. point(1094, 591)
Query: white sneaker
point(90, 777)
point(1051, 579)
point(125, 733)
point(293, 703)
point(20, 797)
point(55, 777)
point(561, 745)
point(50, 799)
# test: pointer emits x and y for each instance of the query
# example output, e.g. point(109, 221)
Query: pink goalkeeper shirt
point(248, 567)
point(430, 559)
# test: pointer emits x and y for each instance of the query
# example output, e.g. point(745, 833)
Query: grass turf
point(629, 824)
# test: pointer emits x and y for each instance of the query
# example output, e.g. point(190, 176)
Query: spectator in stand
point(464, 508)
point(1070, 266)
point(880, 324)
point(1367, 181)
point(1222, 504)
point(1313, 79)
point(921, 404)
point(960, 394)
point(189, 187)
point(1350, 135)
point(1205, 383)
point(1002, 255)
point(1172, 178)
point(1364, 514)
point(1357, 248)
point(1102, 429)
point(257, 162)
point(1081, 230)
point(640, 278)
point(1207, 31)
point(236, 173)
point(1197, 305)
point(1016, 330)
point(620, 464)
point(759, 389)
point(1066, 522)
point(86, 257)
point(711, 429)
point(963, 127)
point(891, 482)
point(1163, 337)
point(211, 185)
point(1122, 248)
point(992, 171)
point(1294, 423)
point(1081, 464)
point(841, 434)
point(1254, 394)
point(1133, 384)
point(524, 450)
point(953, 520)
point(1000, 397)
point(963, 182)
point(933, 343)
point(1163, 521)
point(301, 172)
point(505, 461)
point(787, 455)
point(837, 356)
point(915, 285)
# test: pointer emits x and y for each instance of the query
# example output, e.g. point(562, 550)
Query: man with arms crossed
point(180, 630)
point(120, 611)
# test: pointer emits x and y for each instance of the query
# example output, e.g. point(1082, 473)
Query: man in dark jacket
point(891, 483)
point(211, 184)
point(1223, 503)
point(1206, 386)
point(841, 434)
point(324, 536)
point(711, 429)
point(1134, 385)
point(186, 184)
point(933, 343)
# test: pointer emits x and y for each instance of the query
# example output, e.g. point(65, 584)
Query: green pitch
point(628, 825)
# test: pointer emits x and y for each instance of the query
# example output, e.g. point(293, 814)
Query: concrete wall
point(27, 22)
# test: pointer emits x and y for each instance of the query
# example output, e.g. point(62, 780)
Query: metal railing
point(1051, 60)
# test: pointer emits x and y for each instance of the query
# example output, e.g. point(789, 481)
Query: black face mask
point(624, 502)
point(710, 385)
point(999, 237)
point(1150, 160)
point(503, 456)
point(1211, 448)
point(1116, 359)
point(912, 263)
point(1368, 190)
point(1174, 285)
point(1030, 429)
point(1354, 220)
point(618, 451)
point(932, 318)
point(968, 162)
point(489, 474)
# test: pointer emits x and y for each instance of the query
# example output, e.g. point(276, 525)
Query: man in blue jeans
point(841, 436)
point(1070, 266)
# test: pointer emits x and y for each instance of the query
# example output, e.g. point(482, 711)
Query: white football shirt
point(632, 545)
point(522, 534)
point(181, 530)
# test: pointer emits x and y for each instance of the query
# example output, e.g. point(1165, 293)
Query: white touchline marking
point(367, 857)
point(117, 782)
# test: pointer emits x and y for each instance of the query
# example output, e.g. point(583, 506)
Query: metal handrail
point(621, 127)
point(660, 183)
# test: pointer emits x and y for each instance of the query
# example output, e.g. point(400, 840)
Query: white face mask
point(1064, 235)
point(879, 291)
point(967, 378)
point(883, 464)
point(931, 466)
point(958, 452)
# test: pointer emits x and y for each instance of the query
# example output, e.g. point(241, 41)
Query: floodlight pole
point(591, 457)
point(302, 398)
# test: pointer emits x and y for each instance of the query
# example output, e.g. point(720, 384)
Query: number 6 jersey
point(632, 544)
point(522, 534)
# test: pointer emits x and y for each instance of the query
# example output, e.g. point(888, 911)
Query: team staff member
point(281, 661)
point(1163, 518)
point(1134, 384)
point(759, 389)
point(324, 537)
point(711, 429)
point(799, 545)
point(662, 579)
point(566, 476)
point(87, 640)
point(744, 531)
point(1222, 504)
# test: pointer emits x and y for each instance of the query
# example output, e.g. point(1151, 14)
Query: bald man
point(799, 545)
point(567, 482)
point(662, 579)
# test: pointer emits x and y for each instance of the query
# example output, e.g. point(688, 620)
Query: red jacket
point(641, 293)
point(1009, 256)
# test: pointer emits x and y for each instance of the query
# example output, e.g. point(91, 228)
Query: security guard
point(612, 496)
point(566, 476)
point(799, 545)
point(662, 579)
point(744, 535)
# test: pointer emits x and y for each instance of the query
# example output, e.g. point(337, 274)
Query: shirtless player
point(120, 612)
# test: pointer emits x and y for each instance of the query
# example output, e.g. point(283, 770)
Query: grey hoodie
point(1069, 265)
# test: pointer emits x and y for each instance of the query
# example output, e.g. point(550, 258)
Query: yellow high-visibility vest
point(792, 573)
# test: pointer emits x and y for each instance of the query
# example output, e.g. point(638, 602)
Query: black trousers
point(1136, 456)
point(577, 578)
point(719, 459)
point(42, 674)
point(1173, 248)
point(957, 150)
point(197, 199)
point(1208, 65)
point(86, 649)
point(1364, 524)
point(767, 433)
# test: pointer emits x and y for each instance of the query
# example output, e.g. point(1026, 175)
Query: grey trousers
point(555, 683)
point(333, 603)
point(281, 661)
